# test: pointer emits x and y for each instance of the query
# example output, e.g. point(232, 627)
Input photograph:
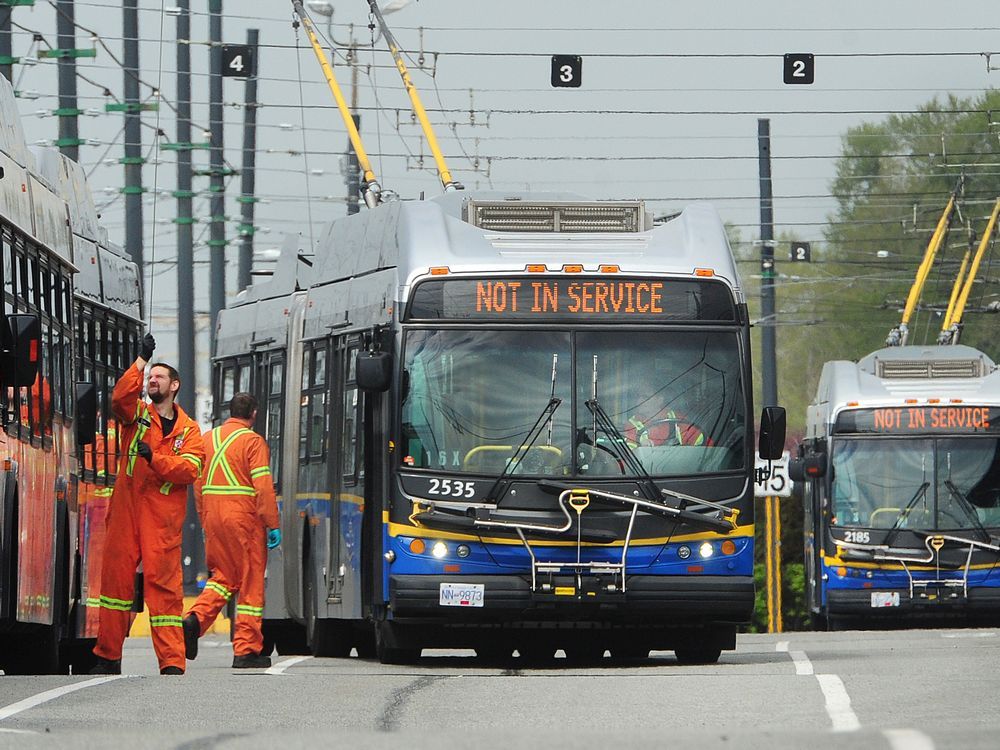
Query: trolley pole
point(217, 234)
point(185, 217)
point(68, 113)
point(133, 136)
point(248, 177)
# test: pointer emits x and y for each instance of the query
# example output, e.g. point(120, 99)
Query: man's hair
point(174, 375)
point(242, 406)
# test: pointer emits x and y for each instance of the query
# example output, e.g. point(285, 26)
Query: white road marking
point(802, 663)
point(838, 703)
point(968, 635)
point(36, 700)
point(281, 666)
point(16, 731)
point(908, 739)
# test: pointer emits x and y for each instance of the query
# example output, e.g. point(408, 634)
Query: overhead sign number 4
point(237, 61)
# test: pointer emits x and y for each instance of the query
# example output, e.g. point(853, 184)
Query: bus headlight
point(706, 549)
point(439, 550)
point(684, 552)
point(463, 550)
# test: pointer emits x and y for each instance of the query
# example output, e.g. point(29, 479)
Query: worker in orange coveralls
point(238, 510)
point(162, 453)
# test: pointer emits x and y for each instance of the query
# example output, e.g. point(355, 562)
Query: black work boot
point(192, 629)
point(106, 666)
point(171, 670)
point(251, 661)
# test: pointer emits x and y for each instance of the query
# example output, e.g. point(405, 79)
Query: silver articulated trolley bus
point(506, 422)
point(901, 465)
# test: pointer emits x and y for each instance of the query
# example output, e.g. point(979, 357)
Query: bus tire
point(331, 638)
point(388, 637)
point(697, 653)
point(286, 637)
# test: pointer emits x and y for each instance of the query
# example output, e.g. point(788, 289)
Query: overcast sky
point(667, 111)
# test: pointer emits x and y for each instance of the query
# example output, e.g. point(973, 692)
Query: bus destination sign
point(533, 299)
point(902, 420)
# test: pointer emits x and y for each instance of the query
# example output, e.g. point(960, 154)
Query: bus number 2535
point(452, 488)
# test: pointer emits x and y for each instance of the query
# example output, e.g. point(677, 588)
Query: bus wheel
point(285, 636)
point(586, 654)
point(629, 653)
point(536, 654)
point(331, 638)
point(697, 653)
point(388, 648)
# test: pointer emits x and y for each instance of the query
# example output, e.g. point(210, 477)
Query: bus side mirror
point(22, 353)
point(812, 466)
point(771, 443)
point(374, 371)
point(86, 413)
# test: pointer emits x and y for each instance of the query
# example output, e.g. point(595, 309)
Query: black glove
point(147, 347)
point(144, 450)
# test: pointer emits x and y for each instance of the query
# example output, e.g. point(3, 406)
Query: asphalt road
point(901, 690)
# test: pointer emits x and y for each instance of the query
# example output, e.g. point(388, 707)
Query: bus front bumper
point(680, 599)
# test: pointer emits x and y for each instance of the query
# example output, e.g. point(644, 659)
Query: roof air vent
point(930, 368)
point(532, 216)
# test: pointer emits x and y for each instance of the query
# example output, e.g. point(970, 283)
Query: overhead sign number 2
point(567, 71)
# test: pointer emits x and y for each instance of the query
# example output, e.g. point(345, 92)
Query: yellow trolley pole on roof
point(418, 107)
point(899, 334)
point(372, 190)
point(951, 328)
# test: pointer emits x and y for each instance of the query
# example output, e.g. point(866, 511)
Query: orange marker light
point(910, 401)
point(610, 269)
point(572, 269)
point(706, 272)
point(440, 271)
point(729, 547)
point(933, 401)
point(535, 268)
point(417, 546)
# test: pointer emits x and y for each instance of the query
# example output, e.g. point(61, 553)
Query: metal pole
point(69, 134)
point(185, 216)
point(247, 186)
point(217, 234)
point(767, 320)
point(6, 44)
point(133, 135)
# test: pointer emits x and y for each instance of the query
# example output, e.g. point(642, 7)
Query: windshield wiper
point(523, 448)
point(921, 490)
point(621, 449)
point(968, 509)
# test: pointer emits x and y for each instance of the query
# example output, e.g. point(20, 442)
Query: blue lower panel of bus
point(886, 593)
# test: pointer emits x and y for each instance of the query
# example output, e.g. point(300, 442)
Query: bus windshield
point(875, 480)
point(675, 400)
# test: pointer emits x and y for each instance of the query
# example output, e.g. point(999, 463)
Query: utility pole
point(772, 505)
point(217, 234)
point(247, 178)
point(68, 113)
point(6, 44)
point(352, 180)
point(133, 160)
point(767, 274)
point(185, 216)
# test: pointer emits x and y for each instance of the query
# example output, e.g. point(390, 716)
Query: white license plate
point(885, 599)
point(462, 594)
